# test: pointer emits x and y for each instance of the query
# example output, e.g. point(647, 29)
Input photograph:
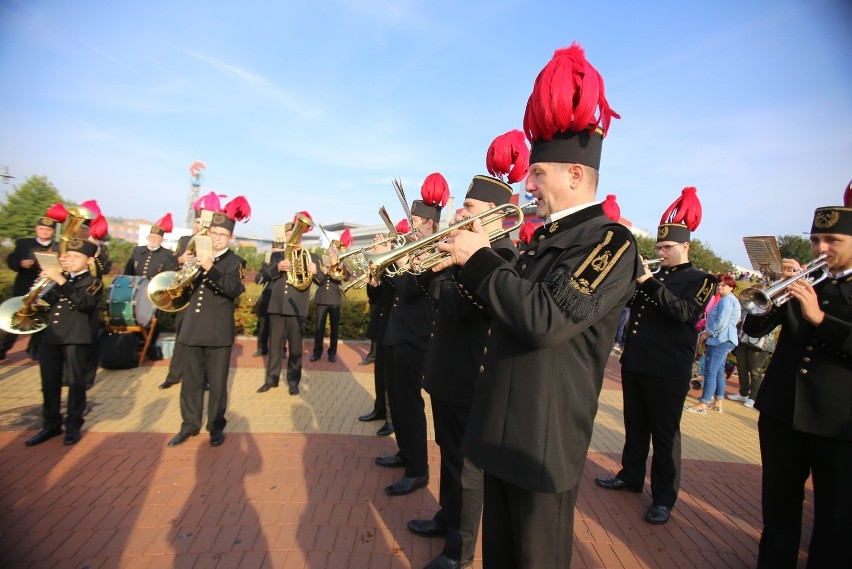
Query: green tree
point(795, 247)
point(24, 205)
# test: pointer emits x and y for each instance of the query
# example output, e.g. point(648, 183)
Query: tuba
point(28, 314)
point(298, 276)
point(170, 291)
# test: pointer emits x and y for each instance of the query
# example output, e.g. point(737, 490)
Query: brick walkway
point(294, 485)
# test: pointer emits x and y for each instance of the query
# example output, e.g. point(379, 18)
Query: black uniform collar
point(548, 230)
point(676, 268)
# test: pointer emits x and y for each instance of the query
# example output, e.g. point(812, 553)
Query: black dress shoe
point(392, 461)
point(180, 438)
point(217, 438)
point(266, 387)
point(167, 384)
point(385, 430)
point(294, 390)
point(72, 438)
point(42, 436)
point(444, 562)
point(407, 485)
point(657, 514)
point(371, 416)
point(314, 357)
point(427, 528)
point(615, 483)
point(332, 358)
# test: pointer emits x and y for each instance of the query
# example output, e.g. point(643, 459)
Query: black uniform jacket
point(183, 241)
point(808, 383)
point(73, 315)
point(146, 263)
point(24, 250)
point(262, 302)
point(412, 314)
point(661, 337)
point(283, 298)
point(328, 290)
point(554, 316)
point(209, 317)
point(458, 339)
point(381, 301)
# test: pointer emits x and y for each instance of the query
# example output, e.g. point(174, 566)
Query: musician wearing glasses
point(805, 402)
point(287, 312)
point(656, 364)
point(207, 333)
point(328, 298)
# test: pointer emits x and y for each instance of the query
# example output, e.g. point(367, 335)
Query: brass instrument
point(650, 263)
point(427, 247)
point(758, 302)
point(28, 314)
point(170, 291)
point(298, 276)
point(336, 270)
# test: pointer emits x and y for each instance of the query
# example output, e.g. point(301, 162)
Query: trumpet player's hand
point(806, 295)
point(646, 275)
point(312, 268)
point(205, 262)
point(380, 247)
point(790, 267)
point(461, 245)
point(27, 263)
point(283, 266)
point(55, 275)
point(184, 257)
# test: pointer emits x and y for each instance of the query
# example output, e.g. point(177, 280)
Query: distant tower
point(196, 179)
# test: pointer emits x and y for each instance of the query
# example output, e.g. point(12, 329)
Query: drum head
point(129, 304)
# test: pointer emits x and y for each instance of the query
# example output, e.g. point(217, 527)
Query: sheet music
point(203, 246)
point(47, 261)
point(764, 254)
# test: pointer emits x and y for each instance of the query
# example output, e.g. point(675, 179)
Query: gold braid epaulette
point(577, 292)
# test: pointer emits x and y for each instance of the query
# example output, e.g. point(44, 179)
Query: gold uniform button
point(803, 371)
point(806, 359)
point(532, 253)
point(489, 332)
point(824, 302)
point(484, 351)
point(198, 310)
point(524, 267)
point(809, 348)
point(541, 237)
point(481, 369)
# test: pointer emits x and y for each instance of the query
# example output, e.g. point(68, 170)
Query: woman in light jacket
point(720, 333)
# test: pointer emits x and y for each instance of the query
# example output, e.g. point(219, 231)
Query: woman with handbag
point(753, 356)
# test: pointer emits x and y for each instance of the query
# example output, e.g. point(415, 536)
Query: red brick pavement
point(316, 501)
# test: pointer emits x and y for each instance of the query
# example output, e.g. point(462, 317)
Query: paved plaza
point(294, 485)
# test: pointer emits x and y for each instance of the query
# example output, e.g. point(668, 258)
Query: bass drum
point(129, 304)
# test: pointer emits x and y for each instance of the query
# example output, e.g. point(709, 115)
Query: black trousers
point(380, 406)
point(176, 365)
point(788, 458)
point(526, 529)
point(289, 329)
point(404, 372)
point(332, 314)
point(8, 340)
point(262, 330)
point(212, 362)
point(53, 361)
point(461, 482)
point(653, 407)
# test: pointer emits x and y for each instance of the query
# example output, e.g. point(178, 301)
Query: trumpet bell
point(17, 318)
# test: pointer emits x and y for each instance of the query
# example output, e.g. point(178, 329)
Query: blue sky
point(316, 106)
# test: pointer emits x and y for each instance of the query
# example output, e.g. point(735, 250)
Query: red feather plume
point(435, 190)
point(209, 201)
point(508, 155)
point(92, 205)
point(346, 238)
point(526, 232)
point(165, 223)
point(403, 227)
point(57, 212)
point(98, 227)
point(685, 210)
point(306, 214)
point(238, 209)
point(611, 208)
point(568, 95)
point(847, 195)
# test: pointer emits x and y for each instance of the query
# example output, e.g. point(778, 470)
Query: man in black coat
point(328, 298)
point(656, 366)
point(288, 311)
point(152, 259)
point(66, 344)
point(452, 369)
point(207, 334)
point(553, 317)
point(805, 404)
point(261, 310)
point(22, 260)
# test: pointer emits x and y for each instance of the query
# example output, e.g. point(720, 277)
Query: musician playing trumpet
point(328, 300)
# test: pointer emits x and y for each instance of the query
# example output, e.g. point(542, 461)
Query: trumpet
point(758, 302)
point(650, 263)
point(427, 247)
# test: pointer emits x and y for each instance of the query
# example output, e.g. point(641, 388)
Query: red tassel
point(165, 223)
point(306, 214)
point(92, 206)
point(98, 227)
point(402, 227)
point(238, 209)
point(526, 232)
point(435, 190)
point(685, 210)
point(611, 208)
point(346, 238)
point(568, 95)
point(209, 201)
point(508, 155)
point(847, 195)
point(57, 212)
